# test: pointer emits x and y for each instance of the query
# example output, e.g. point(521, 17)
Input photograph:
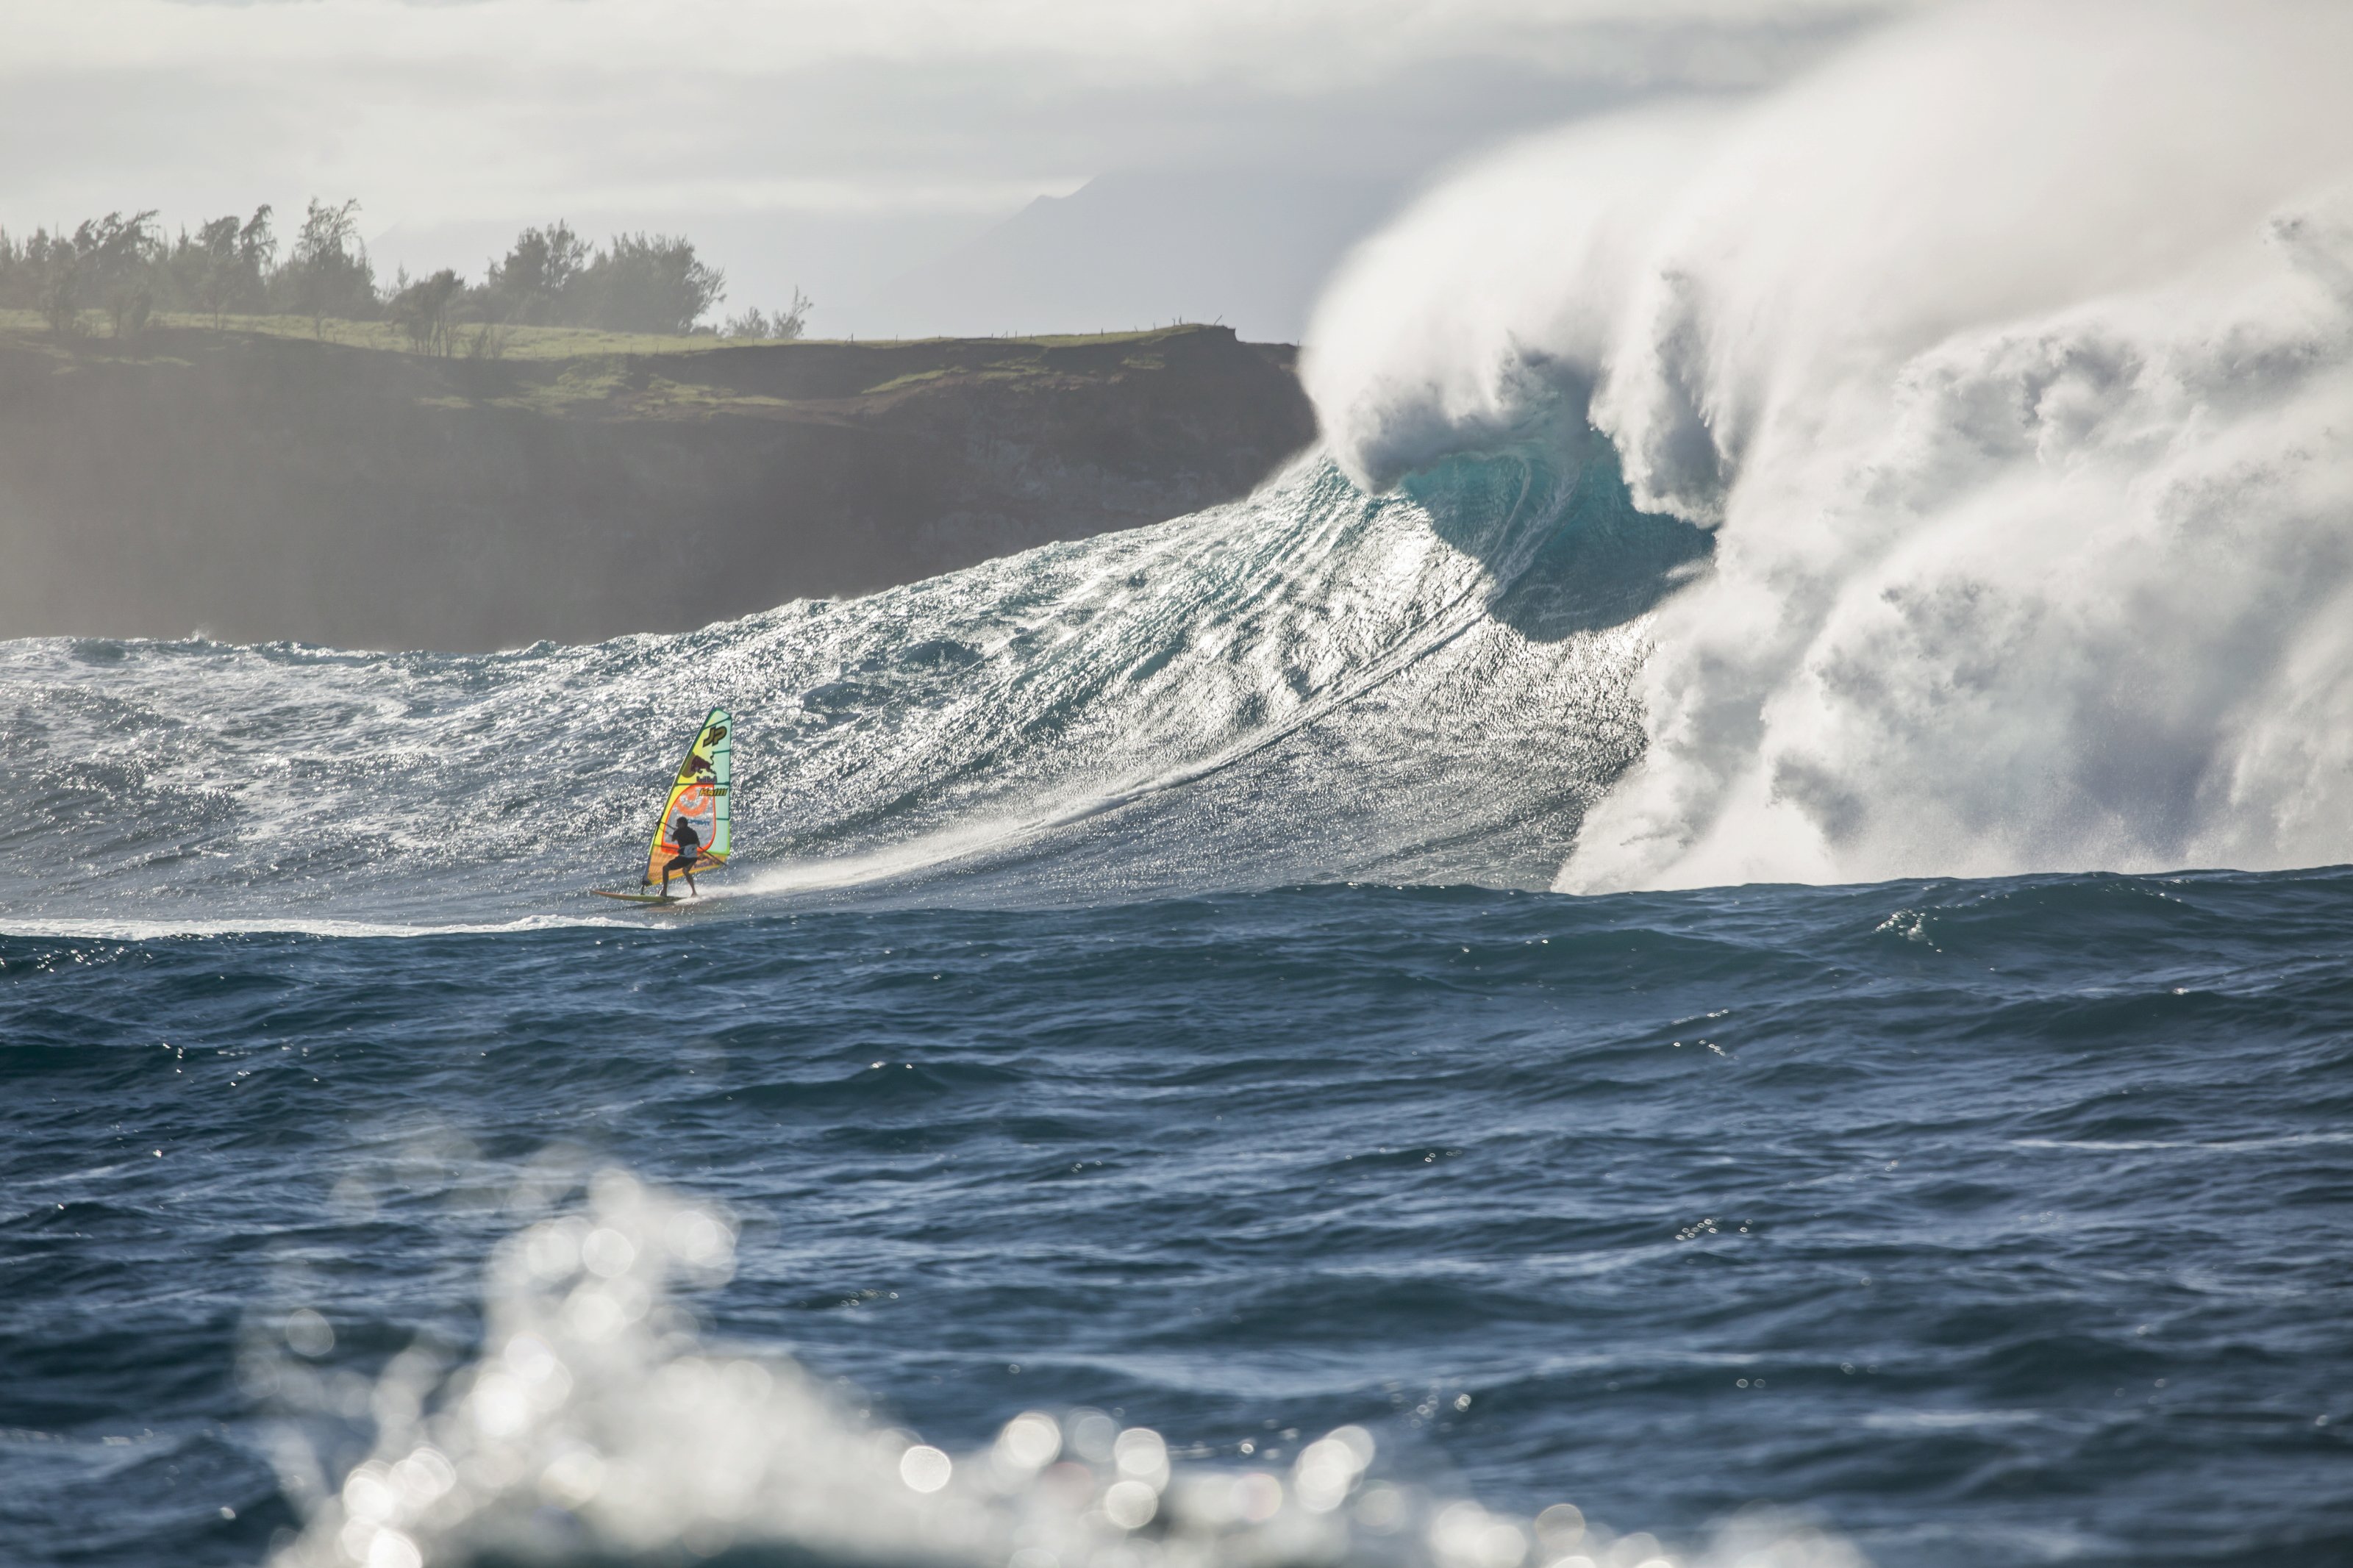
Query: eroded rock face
point(256, 488)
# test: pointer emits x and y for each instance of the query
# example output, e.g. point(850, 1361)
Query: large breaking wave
point(2010, 360)
point(1940, 466)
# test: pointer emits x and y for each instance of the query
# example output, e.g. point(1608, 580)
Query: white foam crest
point(99, 928)
point(598, 1422)
point(927, 853)
point(1481, 312)
point(2011, 358)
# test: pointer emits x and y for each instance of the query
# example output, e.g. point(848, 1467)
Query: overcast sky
point(833, 145)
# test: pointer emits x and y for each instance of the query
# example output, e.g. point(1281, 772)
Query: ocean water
point(1626, 1001)
point(1970, 1222)
point(1134, 1044)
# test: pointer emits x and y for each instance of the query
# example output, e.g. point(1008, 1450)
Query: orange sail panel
point(698, 793)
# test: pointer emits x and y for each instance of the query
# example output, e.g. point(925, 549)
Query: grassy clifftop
point(551, 368)
point(259, 482)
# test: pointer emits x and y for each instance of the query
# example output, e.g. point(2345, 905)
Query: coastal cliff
point(255, 486)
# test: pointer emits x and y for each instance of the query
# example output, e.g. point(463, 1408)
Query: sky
point(889, 157)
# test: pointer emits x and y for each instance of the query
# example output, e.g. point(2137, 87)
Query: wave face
point(2008, 360)
point(1432, 686)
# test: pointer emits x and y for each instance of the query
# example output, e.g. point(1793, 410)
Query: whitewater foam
point(262, 925)
point(2009, 358)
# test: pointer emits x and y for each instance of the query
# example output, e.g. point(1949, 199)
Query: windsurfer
point(690, 845)
point(689, 827)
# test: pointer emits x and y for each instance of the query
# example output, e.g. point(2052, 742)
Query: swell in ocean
point(1432, 686)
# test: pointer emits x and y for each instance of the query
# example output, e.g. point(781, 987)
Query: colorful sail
point(698, 793)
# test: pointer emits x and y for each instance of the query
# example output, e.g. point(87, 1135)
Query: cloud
point(830, 144)
point(507, 105)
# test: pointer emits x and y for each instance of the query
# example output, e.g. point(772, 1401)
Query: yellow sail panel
point(700, 794)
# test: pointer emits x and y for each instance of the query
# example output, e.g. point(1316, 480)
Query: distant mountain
point(1251, 249)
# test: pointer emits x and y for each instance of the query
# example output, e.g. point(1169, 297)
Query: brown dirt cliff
point(255, 487)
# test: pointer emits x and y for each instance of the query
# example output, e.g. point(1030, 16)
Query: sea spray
point(2009, 359)
point(601, 1423)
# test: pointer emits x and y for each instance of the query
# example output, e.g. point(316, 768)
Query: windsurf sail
point(698, 793)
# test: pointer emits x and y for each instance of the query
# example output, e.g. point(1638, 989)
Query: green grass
point(517, 342)
point(571, 371)
point(542, 343)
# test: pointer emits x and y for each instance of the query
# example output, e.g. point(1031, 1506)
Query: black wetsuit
point(689, 847)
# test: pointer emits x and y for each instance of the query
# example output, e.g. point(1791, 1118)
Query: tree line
point(127, 269)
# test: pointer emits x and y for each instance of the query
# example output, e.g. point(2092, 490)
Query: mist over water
point(2009, 360)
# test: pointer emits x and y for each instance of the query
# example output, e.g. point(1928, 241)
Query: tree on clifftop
point(788, 325)
point(44, 274)
point(226, 264)
point(329, 273)
point(427, 311)
point(537, 284)
point(111, 258)
point(643, 284)
point(637, 283)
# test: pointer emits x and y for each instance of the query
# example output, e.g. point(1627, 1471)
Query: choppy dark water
point(1985, 1223)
